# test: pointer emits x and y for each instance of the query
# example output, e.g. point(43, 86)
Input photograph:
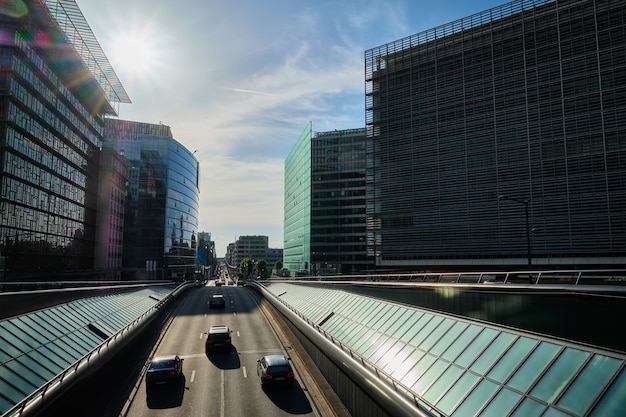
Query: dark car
point(275, 370)
point(218, 339)
point(164, 369)
point(217, 301)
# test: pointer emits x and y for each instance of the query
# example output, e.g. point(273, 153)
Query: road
point(219, 384)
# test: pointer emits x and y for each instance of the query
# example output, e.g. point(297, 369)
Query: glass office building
point(162, 204)
point(338, 236)
point(499, 140)
point(324, 224)
point(297, 204)
point(55, 85)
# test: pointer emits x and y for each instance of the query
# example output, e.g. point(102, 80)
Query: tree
point(246, 266)
point(278, 265)
point(261, 267)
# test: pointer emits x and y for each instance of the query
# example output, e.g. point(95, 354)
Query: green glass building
point(297, 204)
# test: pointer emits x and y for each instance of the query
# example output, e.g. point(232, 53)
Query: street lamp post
point(525, 202)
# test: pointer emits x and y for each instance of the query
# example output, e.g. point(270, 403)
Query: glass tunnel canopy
point(459, 367)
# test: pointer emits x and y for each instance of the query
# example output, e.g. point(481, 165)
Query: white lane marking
point(222, 407)
point(238, 333)
point(193, 375)
point(245, 374)
point(201, 335)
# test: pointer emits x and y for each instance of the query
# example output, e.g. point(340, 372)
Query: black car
point(164, 369)
point(218, 339)
point(217, 301)
point(275, 370)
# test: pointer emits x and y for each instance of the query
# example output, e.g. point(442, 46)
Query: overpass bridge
point(389, 346)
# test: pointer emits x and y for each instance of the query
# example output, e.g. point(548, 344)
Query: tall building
point(112, 192)
point(297, 204)
point(161, 216)
point(338, 233)
point(325, 223)
point(55, 86)
point(499, 140)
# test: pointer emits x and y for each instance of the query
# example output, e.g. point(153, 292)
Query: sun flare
point(134, 53)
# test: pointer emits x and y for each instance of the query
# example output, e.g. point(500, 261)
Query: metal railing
point(593, 277)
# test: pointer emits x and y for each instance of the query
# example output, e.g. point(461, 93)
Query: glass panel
point(415, 327)
point(511, 359)
point(502, 404)
point(375, 342)
point(397, 354)
point(28, 362)
point(476, 400)
point(391, 321)
point(534, 366)
point(490, 355)
point(8, 341)
point(425, 331)
point(11, 393)
point(43, 334)
point(559, 374)
point(418, 370)
point(436, 370)
point(442, 384)
point(386, 311)
point(20, 330)
point(69, 318)
point(449, 338)
point(589, 384)
point(399, 326)
point(383, 349)
point(461, 343)
point(34, 380)
point(476, 347)
point(44, 360)
point(529, 408)
point(614, 401)
point(405, 359)
point(436, 334)
point(455, 394)
point(362, 343)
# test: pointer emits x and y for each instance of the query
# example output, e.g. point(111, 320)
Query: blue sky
point(238, 80)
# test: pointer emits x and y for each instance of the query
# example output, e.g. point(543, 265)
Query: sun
point(134, 53)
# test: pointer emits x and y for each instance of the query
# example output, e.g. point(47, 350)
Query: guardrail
point(65, 378)
point(612, 277)
point(388, 393)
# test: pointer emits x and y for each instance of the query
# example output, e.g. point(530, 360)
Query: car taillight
point(172, 372)
point(209, 342)
point(226, 340)
point(290, 375)
point(267, 376)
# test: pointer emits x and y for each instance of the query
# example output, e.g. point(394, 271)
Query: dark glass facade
point(338, 235)
point(162, 204)
point(525, 101)
point(52, 96)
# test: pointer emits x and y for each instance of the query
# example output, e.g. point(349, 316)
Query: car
point(218, 339)
point(275, 370)
point(164, 369)
point(217, 301)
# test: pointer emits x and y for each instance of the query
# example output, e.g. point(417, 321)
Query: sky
point(238, 81)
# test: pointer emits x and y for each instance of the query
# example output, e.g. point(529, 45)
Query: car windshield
point(162, 365)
